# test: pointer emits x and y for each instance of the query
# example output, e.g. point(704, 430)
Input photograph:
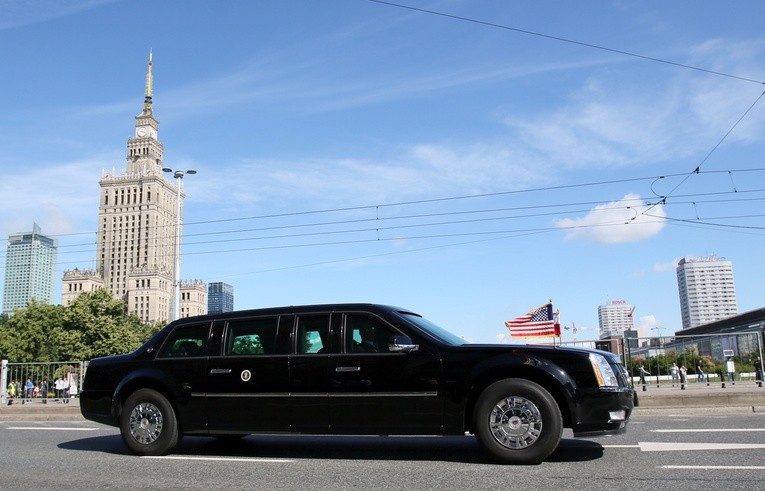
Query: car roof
point(296, 309)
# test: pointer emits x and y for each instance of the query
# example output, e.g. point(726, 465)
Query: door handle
point(348, 369)
point(216, 371)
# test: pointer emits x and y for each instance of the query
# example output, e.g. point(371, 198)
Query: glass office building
point(220, 298)
point(30, 269)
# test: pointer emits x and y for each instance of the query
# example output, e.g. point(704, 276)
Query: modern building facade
point(220, 297)
point(30, 269)
point(615, 317)
point(135, 257)
point(706, 288)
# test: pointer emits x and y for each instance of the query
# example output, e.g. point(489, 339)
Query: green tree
point(96, 325)
point(31, 334)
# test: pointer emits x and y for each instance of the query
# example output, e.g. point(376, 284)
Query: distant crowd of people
point(31, 390)
point(679, 374)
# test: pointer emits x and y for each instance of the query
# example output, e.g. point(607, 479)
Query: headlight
point(603, 372)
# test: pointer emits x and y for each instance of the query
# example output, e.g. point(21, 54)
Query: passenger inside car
point(367, 343)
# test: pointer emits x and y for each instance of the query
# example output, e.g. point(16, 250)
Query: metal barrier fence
point(28, 383)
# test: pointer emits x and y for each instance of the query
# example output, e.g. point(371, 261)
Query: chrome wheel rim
point(515, 422)
point(146, 423)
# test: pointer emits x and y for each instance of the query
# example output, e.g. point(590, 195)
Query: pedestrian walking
point(643, 372)
point(11, 392)
point(758, 369)
point(58, 387)
point(674, 371)
point(731, 370)
point(65, 387)
point(683, 376)
point(28, 389)
point(699, 374)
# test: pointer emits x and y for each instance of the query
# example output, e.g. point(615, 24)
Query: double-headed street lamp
point(178, 175)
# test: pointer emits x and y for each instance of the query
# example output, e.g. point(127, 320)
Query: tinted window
point(313, 334)
point(186, 341)
point(437, 332)
point(365, 334)
point(252, 336)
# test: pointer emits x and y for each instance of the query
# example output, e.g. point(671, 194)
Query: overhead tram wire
point(697, 170)
point(422, 201)
point(378, 228)
point(566, 40)
point(565, 208)
point(567, 205)
point(372, 207)
point(602, 48)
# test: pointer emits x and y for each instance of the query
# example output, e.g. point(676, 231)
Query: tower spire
point(149, 81)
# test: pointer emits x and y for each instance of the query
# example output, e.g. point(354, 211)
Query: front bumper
point(604, 412)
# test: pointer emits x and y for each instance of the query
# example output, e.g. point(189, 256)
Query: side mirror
point(402, 344)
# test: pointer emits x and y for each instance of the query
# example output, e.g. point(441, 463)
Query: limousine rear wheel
point(148, 424)
point(517, 421)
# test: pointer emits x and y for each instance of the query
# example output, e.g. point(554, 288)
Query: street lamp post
point(658, 329)
point(178, 175)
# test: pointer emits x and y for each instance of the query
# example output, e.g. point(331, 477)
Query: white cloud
point(648, 326)
point(622, 221)
point(420, 171)
point(61, 197)
point(664, 267)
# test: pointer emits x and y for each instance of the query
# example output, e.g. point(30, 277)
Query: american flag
point(541, 321)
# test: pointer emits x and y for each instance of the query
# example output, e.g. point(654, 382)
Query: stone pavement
point(741, 396)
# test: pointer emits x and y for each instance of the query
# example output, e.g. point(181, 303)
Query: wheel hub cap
point(146, 423)
point(515, 422)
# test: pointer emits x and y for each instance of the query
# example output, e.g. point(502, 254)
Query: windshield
point(437, 332)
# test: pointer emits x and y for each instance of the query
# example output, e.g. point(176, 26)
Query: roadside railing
point(40, 382)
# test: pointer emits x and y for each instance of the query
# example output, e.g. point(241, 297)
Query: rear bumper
point(97, 406)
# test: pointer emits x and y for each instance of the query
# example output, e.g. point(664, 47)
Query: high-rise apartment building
point(135, 255)
point(615, 317)
point(220, 297)
point(30, 269)
point(706, 288)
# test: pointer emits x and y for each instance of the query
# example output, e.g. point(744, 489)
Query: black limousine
point(353, 369)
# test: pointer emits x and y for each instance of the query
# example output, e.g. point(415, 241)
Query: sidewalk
point(698, 395)
point(743, 396)
point(39, 409)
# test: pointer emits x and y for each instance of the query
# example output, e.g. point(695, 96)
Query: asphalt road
point(681, 449)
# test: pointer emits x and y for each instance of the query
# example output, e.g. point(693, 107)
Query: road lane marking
point(621, 446)
point(716, 467)
point(218, 459)
point(49, 428)
point(714, 430)
point(674, 447)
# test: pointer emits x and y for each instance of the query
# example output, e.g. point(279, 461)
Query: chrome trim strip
point(235, 395)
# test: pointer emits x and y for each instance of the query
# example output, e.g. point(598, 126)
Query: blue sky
point(469, 166)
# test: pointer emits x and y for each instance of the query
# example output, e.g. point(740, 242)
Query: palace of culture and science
point(135, 257)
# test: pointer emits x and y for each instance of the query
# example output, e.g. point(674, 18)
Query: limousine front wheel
point(148, 424)
point(517, 422)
